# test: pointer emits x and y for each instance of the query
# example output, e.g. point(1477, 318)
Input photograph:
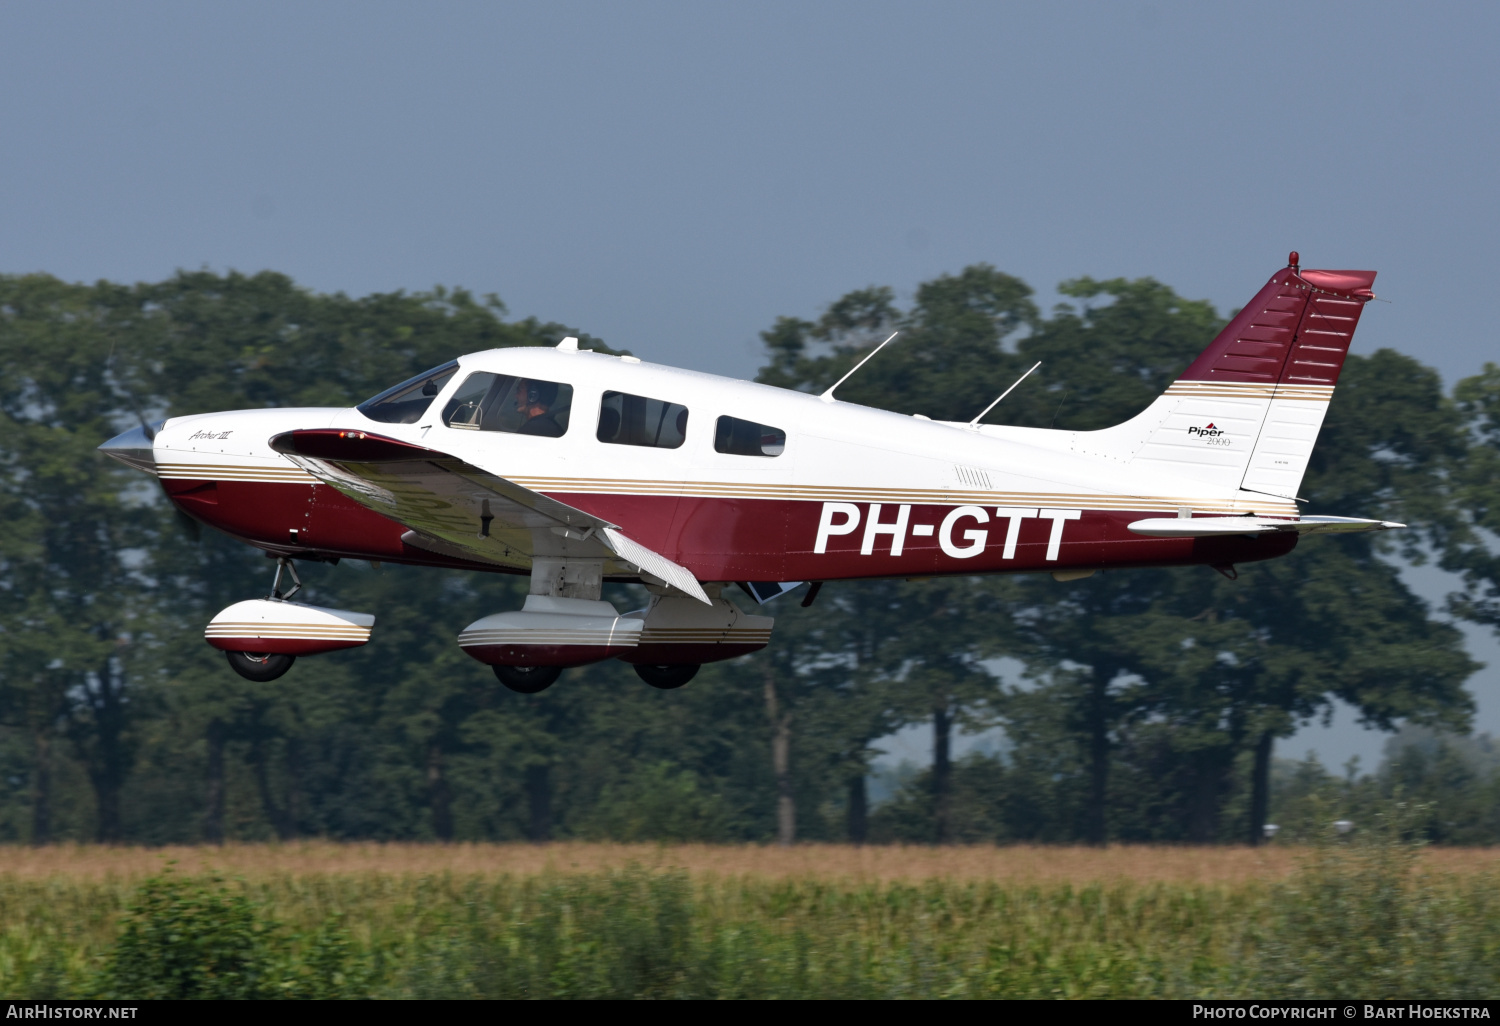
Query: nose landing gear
point(261, 638)
point(260, 666)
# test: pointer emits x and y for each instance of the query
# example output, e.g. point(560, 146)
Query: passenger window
point(405, 403)
point(636, 420)
point(746, 438)
point(503, 402)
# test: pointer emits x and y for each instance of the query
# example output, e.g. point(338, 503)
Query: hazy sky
point(672, 176)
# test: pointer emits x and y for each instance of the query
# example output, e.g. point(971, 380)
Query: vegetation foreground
point(1367, 918)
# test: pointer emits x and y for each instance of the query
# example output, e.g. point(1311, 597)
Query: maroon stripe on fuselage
point(327, 523)
point(723, 539)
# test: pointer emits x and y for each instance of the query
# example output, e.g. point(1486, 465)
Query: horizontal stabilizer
point(1213, 527)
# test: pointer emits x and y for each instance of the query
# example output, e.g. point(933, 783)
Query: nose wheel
point(260, 666)
point(267, 666)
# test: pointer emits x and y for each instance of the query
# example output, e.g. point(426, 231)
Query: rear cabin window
point(503, 402)
point(405, 403)
point(747, 438)
point(635, 420)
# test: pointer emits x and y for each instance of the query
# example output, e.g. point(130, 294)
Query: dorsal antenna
point(975, 422)
point(827, 396)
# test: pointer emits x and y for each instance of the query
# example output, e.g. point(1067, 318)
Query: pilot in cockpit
point(534, 401)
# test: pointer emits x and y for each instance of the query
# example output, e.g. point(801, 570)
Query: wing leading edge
point(458, 509)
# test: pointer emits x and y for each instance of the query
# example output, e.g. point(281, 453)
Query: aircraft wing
point(1211, 527)
point(457, 509)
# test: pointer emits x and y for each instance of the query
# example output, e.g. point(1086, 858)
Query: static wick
point(975, 422)
point(827, 396)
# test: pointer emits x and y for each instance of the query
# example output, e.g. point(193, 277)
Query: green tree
point(1469, 547)
point(77, 639)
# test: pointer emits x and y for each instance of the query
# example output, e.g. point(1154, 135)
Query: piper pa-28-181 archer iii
point(578, 468)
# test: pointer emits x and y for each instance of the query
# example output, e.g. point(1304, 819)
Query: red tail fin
point(1245, 415)
point(1296, 331)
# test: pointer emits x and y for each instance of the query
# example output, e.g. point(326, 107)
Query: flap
point(458, 509)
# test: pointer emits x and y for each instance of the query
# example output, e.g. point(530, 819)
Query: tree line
point(1137, 705)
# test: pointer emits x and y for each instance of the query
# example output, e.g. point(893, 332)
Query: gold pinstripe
point(824, 493)
point(828, 493)
point(1251, 390)
point(228, 472)
point(547, 636)
point(789, 492)
point(310, 631)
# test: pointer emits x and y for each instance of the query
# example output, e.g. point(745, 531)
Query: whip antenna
point(827, 396)
point(975, 422)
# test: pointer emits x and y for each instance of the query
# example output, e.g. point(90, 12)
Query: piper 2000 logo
point(844, 518)
point(1210, 433)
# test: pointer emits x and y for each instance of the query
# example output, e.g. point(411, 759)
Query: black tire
point(527, 680)
point(260, 666)
point(666, 677)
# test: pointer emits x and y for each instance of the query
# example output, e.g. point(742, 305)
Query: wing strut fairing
point(458, 509)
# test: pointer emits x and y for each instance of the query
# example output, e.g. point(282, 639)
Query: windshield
point(406, 402)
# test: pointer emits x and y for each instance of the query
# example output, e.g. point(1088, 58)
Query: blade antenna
point(975, 422)
point(827, 396)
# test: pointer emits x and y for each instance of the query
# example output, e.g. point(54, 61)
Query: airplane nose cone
point(135, 447)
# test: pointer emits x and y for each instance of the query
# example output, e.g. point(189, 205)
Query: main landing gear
point(668, 676)
point(565, 622)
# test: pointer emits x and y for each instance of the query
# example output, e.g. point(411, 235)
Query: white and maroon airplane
point(579, 468)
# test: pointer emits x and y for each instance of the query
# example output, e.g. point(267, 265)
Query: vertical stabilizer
point(1246, 412)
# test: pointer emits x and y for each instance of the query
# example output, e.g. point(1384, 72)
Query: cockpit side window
point(635, 420)
point(504, 402)
point(746, 438)
point(406, 402)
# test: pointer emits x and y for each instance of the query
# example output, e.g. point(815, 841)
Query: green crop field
point(322, 920)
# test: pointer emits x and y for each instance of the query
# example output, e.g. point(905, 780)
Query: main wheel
point(260, 666)
point(527, 680)
point(666, 677)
